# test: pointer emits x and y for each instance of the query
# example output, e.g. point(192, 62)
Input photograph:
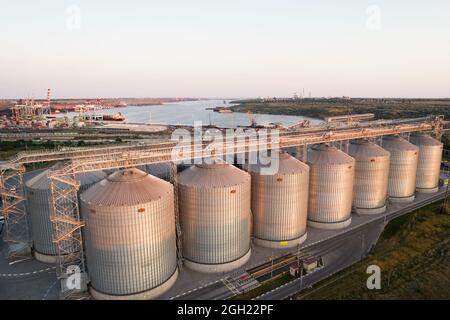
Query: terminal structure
point(64, 180)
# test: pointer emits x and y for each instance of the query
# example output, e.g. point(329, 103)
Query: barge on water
point(115, 117)
point(220, 109)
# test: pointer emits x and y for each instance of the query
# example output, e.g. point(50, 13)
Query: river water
point(186, 112)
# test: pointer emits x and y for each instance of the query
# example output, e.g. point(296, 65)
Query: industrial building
point(429, 163)
point(38, 194)
point(403, 168)
point(139, 230)
point(330, 187)
point(215, 218)
point(130, 236)
point(371, 176)
point(280, 203)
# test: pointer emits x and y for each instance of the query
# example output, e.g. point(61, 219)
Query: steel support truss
point(67, 236)
point(174, 181)
point(15, 214)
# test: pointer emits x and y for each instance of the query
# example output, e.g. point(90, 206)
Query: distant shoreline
point(320, 108)
point(68, 105)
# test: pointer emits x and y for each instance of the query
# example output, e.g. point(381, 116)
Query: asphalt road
point(350, 252)
point(353, 248)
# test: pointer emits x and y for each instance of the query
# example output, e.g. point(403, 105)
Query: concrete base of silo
point(217, 268)
point(45, 258)
point(402, 199)
point(330, 225)
point(146, 295)
point(370, 210)
point(281, 244)
point(427, 190)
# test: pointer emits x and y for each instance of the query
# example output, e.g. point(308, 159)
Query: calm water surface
point(187, 112)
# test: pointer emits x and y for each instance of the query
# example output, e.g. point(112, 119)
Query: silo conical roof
point(43, 182)
point(421, 139)
point(287, 164)
point(397, 143)
point(363, 149)
point(126, 187)
point(327, 154)
point(215, 175)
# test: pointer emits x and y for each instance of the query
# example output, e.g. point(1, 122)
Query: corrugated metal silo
point(280, 203)
point(429, 165)
point(330, 187)
point(403, 167)
point(130, 236)
point(371, 176)
point(38, 195)
point(215, 217)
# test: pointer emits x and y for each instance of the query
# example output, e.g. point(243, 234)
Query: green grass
point(382, 108)
point(413, 254)
point(320, 108)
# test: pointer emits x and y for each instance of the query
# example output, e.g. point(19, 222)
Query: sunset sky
point(224, 48)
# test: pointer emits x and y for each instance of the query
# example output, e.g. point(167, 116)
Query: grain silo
point(38, 193)
point(280, 203)
point(403, 167)
point(130, 236)
point(371, 176)
point(215, 217)
point(330, 187)
point(429, 165)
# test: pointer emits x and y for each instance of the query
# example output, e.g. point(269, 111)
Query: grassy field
point(321, 108)
point(413, 254)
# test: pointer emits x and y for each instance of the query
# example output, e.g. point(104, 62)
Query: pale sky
point(225, 48)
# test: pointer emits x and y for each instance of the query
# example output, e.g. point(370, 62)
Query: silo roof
point(327, 154)
point(424, 139)
point(216, 175)
point(363, 148)
point(42, 181)
point(397, 143)
point(126, 187)
point(287, 164)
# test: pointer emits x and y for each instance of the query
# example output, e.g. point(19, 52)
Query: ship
point(220, 109)
point(114, 117)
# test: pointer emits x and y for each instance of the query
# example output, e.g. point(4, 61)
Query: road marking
point(48, 290)
point(9, 275)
